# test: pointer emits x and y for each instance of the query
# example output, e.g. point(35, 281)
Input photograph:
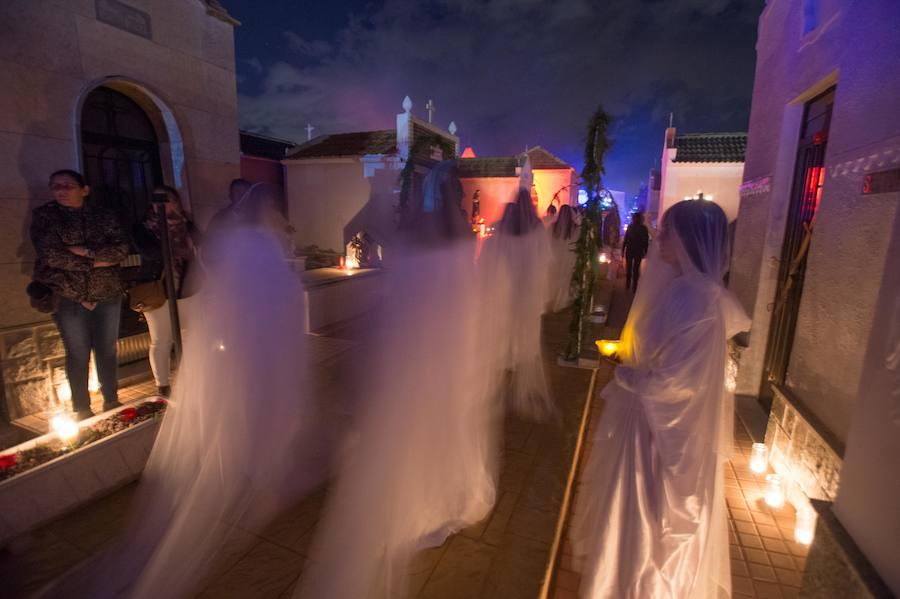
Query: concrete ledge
point(334, 295)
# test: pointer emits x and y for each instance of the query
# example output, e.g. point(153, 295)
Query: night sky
point(510, 73)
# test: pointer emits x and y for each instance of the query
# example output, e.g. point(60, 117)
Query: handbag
point(146, 297)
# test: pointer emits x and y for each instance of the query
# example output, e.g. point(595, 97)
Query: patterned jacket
point(55, 227)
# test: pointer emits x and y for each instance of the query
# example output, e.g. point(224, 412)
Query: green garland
point(584, 273)
point(418, 151)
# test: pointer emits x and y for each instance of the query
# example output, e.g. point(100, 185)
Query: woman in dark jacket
point(79, 248)
point(183, 243)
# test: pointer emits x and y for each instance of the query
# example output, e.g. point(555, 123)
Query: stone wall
point(32, 362)
point(799, 452)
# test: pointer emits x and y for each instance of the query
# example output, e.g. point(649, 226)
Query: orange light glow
point(607, 347)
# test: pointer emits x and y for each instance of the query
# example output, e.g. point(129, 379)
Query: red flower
point(8, 461)
point(128, 414)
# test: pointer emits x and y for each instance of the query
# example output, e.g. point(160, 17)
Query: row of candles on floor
point(776, 495)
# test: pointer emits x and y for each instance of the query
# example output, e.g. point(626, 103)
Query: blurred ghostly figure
point(423, 462)
point(514, 267)
point(651, 518)
point(563, 235)
point(234, 445)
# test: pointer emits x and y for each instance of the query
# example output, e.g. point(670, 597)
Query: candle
point(774, 491)
point(805, 525)
point(759, 458)
point(64, 426)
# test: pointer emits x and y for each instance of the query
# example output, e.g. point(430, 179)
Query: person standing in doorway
point(637, 241)
point(79, 248)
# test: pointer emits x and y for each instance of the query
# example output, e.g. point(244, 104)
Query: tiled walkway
point(505, 556)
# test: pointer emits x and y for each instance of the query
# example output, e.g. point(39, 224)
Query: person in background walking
point(79, 247)
point(637, 241)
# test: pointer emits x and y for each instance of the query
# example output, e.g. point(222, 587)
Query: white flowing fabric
point(232, 448)
point(514, 270)
point(651, 518)
point(562, 260)
point(423, 463)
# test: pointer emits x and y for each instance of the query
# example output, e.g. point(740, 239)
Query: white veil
point(563, 235)
point(423, 463)
point(230, 450)
point(668, 415)
point(514, 271)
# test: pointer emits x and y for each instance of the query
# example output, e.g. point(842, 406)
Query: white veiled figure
point(563, 235)
point(651, 518)
point(233, 447)
point(514, 269)
point(422, 464)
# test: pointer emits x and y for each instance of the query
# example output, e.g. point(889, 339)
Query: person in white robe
point(422, 464)
point(563, 235)
point(651, 520)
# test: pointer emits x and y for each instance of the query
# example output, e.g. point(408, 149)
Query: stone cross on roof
point(430, 107)
point(309, 130)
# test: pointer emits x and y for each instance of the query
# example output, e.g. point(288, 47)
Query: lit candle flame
point(64, 426)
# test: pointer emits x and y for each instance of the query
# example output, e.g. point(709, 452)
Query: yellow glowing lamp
point(604, 258)
point(607, 348)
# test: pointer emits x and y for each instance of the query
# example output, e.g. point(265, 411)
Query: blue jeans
point(83, 330)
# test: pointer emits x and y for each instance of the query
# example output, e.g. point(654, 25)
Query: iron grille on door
point(806, 193)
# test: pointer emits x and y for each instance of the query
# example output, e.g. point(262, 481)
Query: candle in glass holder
point(805, 525)
point(759, 458)
point(774, 491)
point(64, 426)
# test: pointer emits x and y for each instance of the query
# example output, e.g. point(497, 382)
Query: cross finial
point(309, 130)
point(671, 116)
point(431, 109)
point(407, 104)
point(452, 128)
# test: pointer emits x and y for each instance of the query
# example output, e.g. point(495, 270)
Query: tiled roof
point(542, 159)
point(488, 167)
point(505, 166)
point(710, 147)
point(262, 146)
point(347, 144)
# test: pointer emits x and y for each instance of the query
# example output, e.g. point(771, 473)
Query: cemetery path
point(505, 556)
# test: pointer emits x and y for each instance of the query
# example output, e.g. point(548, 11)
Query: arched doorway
point(121, 162)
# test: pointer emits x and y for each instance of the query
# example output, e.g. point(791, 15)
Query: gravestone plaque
point(125, 17)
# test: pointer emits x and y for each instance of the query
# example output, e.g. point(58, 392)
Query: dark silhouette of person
point(637, 241)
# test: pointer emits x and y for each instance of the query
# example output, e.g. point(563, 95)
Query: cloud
point(512, 73)
point(313, 49)
point(254, 63)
